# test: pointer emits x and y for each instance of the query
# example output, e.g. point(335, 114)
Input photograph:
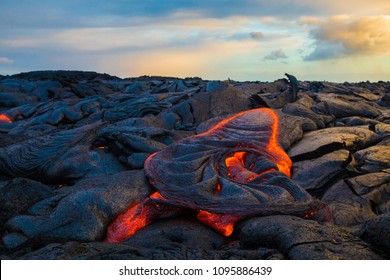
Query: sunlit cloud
point(352, 7)
point(244, 39)
point(341, 36)
point(309, 20)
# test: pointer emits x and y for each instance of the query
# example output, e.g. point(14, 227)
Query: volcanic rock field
point(93, 166)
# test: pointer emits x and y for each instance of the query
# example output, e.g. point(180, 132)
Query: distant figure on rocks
point(294, 87)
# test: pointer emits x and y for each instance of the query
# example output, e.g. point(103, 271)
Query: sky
point(244, 40)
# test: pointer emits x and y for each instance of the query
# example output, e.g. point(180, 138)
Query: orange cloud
point(309, 20)
point(347, 36)
point(353, 7)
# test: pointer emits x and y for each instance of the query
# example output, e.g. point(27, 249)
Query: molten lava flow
point(137, 217)
point(150, 210)
point(224, 224)
point(237, 171)
point(236, 168)
point(5, 119)
point(132, 220)
point(238, 157)
point(236, 164)
point(282, 160)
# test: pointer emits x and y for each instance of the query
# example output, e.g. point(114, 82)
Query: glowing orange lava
point(148, 210)
point(224, 224)
point(236, 168)
point(5, 119)
point(136, 218)
point(309, 215)
point(283, 162)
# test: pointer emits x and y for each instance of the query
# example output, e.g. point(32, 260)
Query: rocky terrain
point(73, 147)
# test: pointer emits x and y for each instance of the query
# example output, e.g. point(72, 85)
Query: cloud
point(275, 55)
point(179, 29)
point(352, 7)
point(309, 20)
point(327, 50)
point(61, 14)
point(256, 35)
point(192, 37)
point(341, 36)
point(5, 60)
